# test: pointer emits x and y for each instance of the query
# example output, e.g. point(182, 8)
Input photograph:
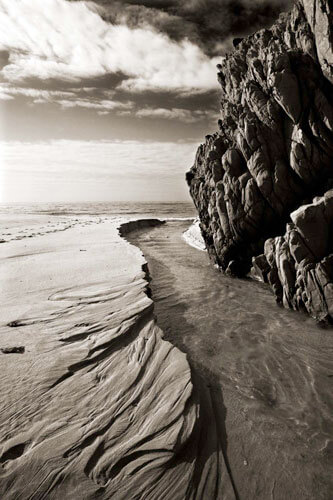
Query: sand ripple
point(105, 408)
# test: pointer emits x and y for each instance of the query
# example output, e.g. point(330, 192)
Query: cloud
point(103, 104)
point(210, 24)
point(4, 96)
point(70, 41)
point(151, 60)
point(68, 99)
point(95, 170)
point(183, 115)
point(8, 91)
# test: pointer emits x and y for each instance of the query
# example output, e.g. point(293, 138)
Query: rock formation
point(273, 155)
point(299, 265)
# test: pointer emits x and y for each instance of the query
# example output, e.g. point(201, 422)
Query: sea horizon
point(142, 208)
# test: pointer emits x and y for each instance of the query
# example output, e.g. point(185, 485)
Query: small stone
point(13, 350)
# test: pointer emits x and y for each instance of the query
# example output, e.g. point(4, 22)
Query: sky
point(108, 100)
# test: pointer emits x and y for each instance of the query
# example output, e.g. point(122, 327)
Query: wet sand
point(270, 371)
point(95, 403)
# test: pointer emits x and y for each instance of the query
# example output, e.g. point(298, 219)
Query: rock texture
point(299, 265)
point(274, 149)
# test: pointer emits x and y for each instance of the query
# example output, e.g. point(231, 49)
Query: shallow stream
point(270, 369)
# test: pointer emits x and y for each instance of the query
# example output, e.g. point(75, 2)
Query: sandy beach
point(97, 405)
point(167, 380)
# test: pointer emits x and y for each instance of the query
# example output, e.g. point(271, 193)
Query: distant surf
point(193, 236)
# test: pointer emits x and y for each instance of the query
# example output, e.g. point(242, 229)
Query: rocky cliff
point(272, 155)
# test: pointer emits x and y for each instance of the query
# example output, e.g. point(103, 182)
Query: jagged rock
point(236, 41)
point(272, 153)
point(299, 265)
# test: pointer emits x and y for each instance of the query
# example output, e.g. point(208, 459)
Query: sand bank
point(98, 405)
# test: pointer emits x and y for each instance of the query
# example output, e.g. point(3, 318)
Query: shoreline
point(213, 476)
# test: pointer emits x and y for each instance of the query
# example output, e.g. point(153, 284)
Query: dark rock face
point(273, 152)
point(299, 265)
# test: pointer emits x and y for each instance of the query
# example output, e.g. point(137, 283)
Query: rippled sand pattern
point(271, 370)
point(95, 403)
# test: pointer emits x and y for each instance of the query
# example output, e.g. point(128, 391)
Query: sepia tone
point(143, 353)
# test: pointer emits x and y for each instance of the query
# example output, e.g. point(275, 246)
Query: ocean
point(26, 220)
point(131, 209)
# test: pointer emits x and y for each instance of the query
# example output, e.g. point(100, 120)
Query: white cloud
point(70, 41)
point(103, 104)
point(4, 96)
point(95, 170)
point(183, 115)
point(38, 94)
point(66, 99)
